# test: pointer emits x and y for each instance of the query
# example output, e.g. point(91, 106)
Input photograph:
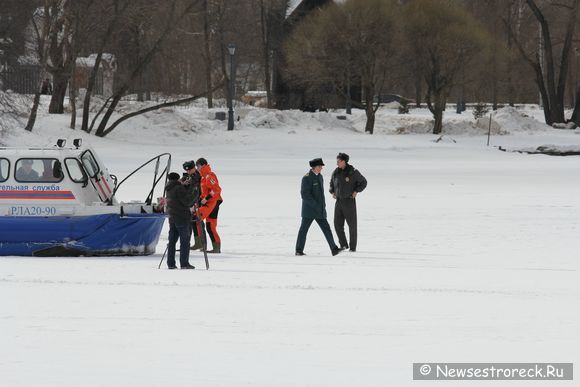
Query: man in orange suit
point(210, 202)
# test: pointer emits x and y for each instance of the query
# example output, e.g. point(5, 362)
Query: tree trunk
point(265, 17)
point(543, 92)
point(438, 109)
point(33, 112)
point(557, 113)
point(42, 43)
point(62, 53)
point(495, 80)
point(576, 114)
point(89, 91)
point(60, 83)
point(72, 97)
point(208, 57)
point(436, 100)
point(369, 110)
point(514, 18)
point(370, 124)
point(348, 91)
point(572, 88)
point(552, 90)
point(438, 125)
point(223, 51)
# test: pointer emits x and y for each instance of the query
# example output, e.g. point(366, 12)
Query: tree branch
point(156, 107)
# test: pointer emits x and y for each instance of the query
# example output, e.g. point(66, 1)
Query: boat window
point(90, 164)
point(75, 170)
point(4, 170)
point(38, 170)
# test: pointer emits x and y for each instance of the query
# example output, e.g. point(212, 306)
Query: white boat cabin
point(58, 181)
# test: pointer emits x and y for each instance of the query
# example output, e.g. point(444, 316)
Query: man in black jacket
point(346, 182)
point(314, 207)
point(179, 202)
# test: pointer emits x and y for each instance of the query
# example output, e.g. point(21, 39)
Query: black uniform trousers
point(345, 209)
point(324, 226)
point(181, 232)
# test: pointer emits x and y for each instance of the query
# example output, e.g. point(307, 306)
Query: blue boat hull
point(95, 235)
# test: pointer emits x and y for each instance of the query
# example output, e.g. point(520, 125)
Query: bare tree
point(43, 23)
point(513, 20)
point(551, 79)
point(443, 38)
point(207, 52)
point(118, 8)
point(172, 20)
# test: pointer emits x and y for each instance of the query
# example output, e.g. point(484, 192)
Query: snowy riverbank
point(466, 254)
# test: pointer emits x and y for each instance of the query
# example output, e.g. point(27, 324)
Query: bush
point(480, 110)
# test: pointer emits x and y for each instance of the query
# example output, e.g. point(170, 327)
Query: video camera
point(186, 178)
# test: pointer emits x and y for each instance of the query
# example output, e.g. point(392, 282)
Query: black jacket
point(179, 201)
point(312, 192)
point(344, 182)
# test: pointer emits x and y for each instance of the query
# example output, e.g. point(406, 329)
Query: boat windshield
point(75, 170)
point(90, 164)
point(38, 170)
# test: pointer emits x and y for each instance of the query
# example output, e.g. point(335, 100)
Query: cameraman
point(179, 201)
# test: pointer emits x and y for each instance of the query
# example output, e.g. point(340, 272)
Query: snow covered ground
point(466, 254)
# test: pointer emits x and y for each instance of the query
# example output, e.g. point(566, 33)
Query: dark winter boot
point(197, 245)
point(216, 248)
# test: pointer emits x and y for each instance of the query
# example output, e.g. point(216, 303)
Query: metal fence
point(21, 80)
point(26, 80)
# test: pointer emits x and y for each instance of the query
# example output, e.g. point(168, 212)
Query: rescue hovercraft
point(60, 201)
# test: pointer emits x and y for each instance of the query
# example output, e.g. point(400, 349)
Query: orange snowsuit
point(210, 191)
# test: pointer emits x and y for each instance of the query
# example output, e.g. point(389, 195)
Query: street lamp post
point(232, 51)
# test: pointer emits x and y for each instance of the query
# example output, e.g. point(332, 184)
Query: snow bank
point(418, 121)
point(461, 245)
point(187, 122)
point(510, 120)
point(278, 119)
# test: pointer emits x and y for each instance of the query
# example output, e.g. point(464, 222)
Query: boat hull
point(92, 235)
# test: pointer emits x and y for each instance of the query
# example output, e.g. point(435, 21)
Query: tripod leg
point(163, 257)
point(203, 241)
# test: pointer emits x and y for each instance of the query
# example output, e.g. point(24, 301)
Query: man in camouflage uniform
point(346, 182)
